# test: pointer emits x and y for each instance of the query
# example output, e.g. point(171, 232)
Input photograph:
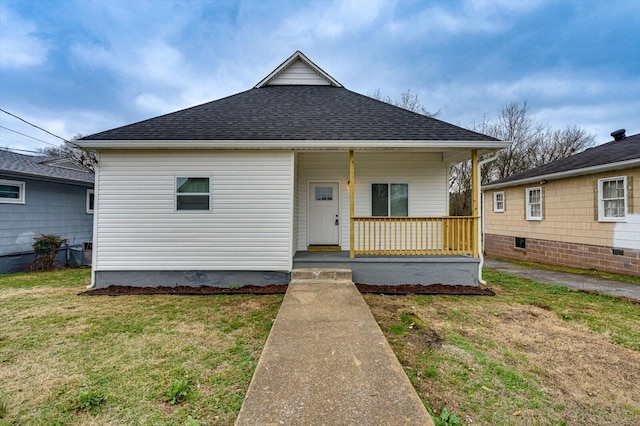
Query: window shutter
point(630, 194)
point(543, 204)
point(596, 205)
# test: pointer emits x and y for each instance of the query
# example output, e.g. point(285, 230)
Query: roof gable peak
point(298, 70)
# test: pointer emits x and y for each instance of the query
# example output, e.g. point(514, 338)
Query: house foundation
point(607, 259)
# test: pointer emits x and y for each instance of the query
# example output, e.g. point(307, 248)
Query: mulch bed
point(460, 290)
point(455, 290)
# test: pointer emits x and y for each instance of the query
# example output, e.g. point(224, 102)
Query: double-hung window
point(11, 192)
point(534, 203)
point(389, 199)
point(193, 194)
point(612, 199)
point(498, 202)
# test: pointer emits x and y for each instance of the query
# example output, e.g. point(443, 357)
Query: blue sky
point(85, 66)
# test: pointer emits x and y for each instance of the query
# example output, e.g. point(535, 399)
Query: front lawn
point(535, 354)
point(159, 360)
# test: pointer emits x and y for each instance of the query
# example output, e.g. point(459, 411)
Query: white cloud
point(20, 46)
point(332, 20)
point(472, 17)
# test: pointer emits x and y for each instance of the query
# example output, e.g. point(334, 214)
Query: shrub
point(45, 250)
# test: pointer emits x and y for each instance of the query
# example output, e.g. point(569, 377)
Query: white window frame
point(176, 193)
point(601, 210)
point(497, 209)
point(21, 192)
point(528, 205)
point(389, 197)
point(90, 192)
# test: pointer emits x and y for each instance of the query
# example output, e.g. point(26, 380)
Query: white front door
point(324, 221)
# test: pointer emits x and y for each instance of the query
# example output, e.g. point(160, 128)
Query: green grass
point(609, 315)
point(534, 354)
point(74, 360)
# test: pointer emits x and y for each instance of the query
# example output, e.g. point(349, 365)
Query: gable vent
point(618, 135)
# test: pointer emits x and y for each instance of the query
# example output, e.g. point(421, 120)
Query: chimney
point(618, 135)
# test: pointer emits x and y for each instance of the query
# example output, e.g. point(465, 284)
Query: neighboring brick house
point(581, 211)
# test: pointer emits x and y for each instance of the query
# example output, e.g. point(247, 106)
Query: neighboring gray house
point(41, 195)
point(297, 172)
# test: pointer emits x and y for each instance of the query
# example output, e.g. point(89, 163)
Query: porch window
point(612, 199)
point(534, 203)
point(389, 199)
point(11, 192)
point(498, 202)
point(193, 194)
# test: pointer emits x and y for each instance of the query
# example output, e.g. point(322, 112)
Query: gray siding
point(49, 208)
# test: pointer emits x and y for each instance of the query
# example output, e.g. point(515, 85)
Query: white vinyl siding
point(425, 174)
point(299, 74)
point(534, 203)
point(612, 199)
point(247, 228)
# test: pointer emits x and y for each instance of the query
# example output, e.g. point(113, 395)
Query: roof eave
point(566, 174)
point(291, 144)
point(20, 175)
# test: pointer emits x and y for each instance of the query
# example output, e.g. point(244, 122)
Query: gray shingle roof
point(601, 155)
point(31, 166)
point(301, 113)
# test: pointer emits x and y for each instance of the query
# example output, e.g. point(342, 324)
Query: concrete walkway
point(577, 281)
point(326, 362)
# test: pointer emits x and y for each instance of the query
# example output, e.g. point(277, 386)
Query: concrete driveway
point(577, 281)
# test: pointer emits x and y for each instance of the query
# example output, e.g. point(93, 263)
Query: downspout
point(94, 237)
point(480, 235)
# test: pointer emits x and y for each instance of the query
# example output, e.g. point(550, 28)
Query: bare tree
point(81, 156)
point(409, 101)
point(533, 144)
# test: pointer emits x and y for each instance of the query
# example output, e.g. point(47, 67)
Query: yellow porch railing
point(447, 235)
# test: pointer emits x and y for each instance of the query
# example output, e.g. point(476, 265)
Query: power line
point(22, 134)
point(37, 127)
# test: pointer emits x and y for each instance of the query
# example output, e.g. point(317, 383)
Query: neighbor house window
point(90, 200)
point(193, 193)
point(612, 199)
point(534, 203)
point(11, 192)
point(498, 202)
point(389, 199)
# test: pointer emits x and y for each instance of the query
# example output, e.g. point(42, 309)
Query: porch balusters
point(374, 235)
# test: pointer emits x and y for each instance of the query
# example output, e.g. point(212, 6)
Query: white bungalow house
point(295, 172)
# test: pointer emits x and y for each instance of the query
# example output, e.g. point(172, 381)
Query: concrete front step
point(320, 274)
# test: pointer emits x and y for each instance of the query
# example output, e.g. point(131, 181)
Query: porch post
point(474, 201)
point(352, 190)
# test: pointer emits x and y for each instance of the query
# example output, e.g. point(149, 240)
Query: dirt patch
point(460, 290)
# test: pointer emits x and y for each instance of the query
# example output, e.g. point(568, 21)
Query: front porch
point(395, 269)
